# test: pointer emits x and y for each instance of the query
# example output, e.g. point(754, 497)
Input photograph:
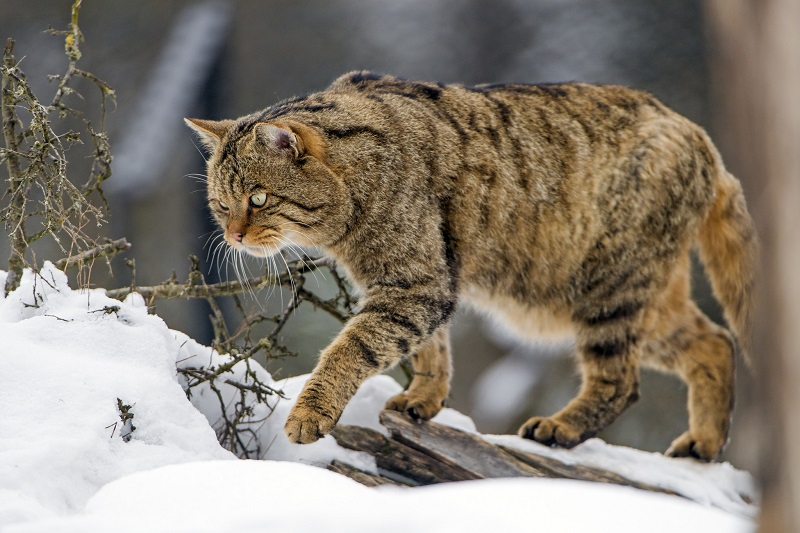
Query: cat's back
point(528, 168)
point(599, 107)
point(539, 133)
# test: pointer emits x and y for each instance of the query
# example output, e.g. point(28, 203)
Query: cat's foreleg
point(431, 381)
point(388, 328)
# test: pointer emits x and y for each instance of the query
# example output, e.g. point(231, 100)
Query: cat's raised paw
point(417, 407)
point(688, 445)
point(551, 432)
point(305, 425)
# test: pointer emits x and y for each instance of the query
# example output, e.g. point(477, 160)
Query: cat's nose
point(237, 237)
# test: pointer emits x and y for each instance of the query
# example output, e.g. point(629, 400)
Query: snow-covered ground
point(69, 359)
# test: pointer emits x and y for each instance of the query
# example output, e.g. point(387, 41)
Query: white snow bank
point(274, 496)
point(67, 356)
point(713, 484)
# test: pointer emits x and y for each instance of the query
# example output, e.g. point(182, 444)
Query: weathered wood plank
point(365, 478)
point(456, 448)
point(392, 456)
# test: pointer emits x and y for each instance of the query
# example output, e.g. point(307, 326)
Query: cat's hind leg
point(702, 354)
point(430, 384)
point(609, 352)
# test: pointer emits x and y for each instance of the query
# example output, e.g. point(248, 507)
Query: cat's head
point(269, 185)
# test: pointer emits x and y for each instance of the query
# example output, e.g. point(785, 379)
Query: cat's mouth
point(262, 250)
point(266, 249)
point(267, 244)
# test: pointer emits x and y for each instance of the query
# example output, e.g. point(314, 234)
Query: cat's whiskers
point(268, 273)
point(243, 273)
point(199, 151)
point(298, 251)
point(221, 252)
point(197, 177)
point(277, 277)
point(212, 246)
point(292, 284)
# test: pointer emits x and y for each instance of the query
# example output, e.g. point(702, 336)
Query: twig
point(197, 288)
point(104, 250)
point(40, 192)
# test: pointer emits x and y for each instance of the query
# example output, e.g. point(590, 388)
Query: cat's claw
point(418, 408)
point(551, 432)
point(305, 425)
point(688, 446)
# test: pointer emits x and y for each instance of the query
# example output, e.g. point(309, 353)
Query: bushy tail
point(729, 250)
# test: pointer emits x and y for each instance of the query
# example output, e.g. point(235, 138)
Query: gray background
point(226, 59)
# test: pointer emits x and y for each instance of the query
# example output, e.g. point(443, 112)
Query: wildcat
point(561, 209)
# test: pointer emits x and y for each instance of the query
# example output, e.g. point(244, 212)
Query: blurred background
point(223, 59)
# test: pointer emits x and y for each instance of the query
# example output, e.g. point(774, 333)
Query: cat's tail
point(729, 250)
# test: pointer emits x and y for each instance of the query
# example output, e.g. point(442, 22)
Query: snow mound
point(273, 496)
point(66, 357)
point(713, 484)
point(74, 363)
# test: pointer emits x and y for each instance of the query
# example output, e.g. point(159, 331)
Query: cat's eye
point(223, 205)
point(259, 199)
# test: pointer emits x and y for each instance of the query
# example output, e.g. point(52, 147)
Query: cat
point(565, 209)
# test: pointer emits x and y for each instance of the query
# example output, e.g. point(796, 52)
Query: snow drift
point(69, 360)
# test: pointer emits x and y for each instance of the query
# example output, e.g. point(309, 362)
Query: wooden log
point(456, 449)
point(394, 457)
point(365, 478)
point(426, 453)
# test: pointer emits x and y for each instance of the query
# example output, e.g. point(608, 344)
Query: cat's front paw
point(417, 407)
point(552, 432)
point(306, 425)
point(688, 445)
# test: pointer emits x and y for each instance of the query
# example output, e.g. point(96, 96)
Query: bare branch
point(104, 250)
point(35, 156)
point(17, 187)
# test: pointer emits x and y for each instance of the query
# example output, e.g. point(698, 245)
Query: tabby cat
point(561, 209)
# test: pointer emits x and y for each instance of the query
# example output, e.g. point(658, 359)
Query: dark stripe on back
point(555, 90)
point(350, 131)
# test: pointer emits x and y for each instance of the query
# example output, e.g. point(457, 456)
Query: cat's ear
point(279, 138)
point(210, 132)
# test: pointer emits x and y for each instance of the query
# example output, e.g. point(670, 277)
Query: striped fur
point(567, 208)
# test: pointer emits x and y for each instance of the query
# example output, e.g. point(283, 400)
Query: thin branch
point(104, 250)
point(195, 288)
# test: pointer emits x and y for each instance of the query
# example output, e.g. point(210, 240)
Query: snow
point(717, 485)
point(68, 359)
point(276, 496)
